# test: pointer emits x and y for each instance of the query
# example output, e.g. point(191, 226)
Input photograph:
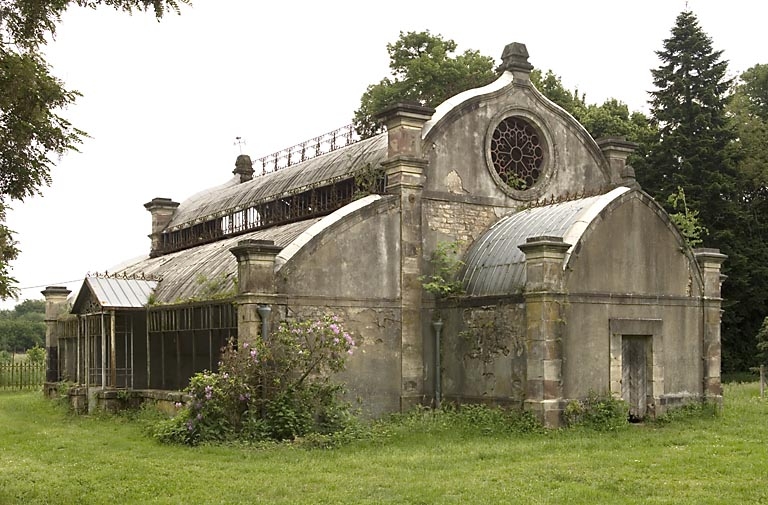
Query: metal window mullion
point(130, 326)
point(112, 350)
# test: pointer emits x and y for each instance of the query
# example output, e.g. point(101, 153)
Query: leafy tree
point(36, 354)
point(23, 328)
point(610, 119)
point(753, 85)
point(425, 69)
point(552, 87)
point(696, 149)
point(274, 389)
point(33, 310)
point(613, 118)
point(8, 253)
point(748, 114)
point(32, 131)
point(17, 335)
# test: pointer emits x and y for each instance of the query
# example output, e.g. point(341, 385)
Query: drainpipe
point(438, 326)
point(264, 312)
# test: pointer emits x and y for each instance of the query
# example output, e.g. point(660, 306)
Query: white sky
point(163, 102)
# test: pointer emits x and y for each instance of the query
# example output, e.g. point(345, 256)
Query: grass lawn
point(48, 456)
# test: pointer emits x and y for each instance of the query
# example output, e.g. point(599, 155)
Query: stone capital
point(55, 298)
point(404, 122)
point(616, 150)
point(256, 265)
point(410, 114)
point(544, 247)
point(162, 210)
point(247, 250)
point(710, 261)
point(709, 257)
point(404, 172)
point(159, 204)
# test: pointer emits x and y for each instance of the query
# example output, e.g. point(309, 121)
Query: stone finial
point(244, 168)
point(515, 59)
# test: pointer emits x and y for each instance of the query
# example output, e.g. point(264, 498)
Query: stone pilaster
point(255, 284)
point(405, 168)
point(544, 299)
point(55, 303)
point(710, 261)
point(162, 210)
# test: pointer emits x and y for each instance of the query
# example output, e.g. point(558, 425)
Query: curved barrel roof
point(207, 271)
point(232, 196)
point(494, 263)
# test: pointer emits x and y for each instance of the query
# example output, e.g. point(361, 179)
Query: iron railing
point(303, 151)
point(22, 375)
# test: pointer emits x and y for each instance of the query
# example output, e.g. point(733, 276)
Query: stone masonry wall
point(485, 355)
point(452, 221)
point(371, 377)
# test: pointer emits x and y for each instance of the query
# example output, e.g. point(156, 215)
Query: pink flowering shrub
point(278, 389)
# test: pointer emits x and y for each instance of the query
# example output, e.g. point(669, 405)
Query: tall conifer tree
point(695, 150)
point(693, 136)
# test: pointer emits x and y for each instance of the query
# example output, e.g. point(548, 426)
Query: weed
point(692, 410)
point(600, 412)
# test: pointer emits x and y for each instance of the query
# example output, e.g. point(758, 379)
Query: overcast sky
point(163, 102)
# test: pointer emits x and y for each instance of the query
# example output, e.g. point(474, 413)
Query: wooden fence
point(21, 375)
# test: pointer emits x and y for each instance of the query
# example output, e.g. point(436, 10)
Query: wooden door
point(634, 380)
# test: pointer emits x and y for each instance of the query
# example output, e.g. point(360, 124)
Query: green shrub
point(36, 354)
point(275, 390)
point(446, 265)
point(601, 412)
